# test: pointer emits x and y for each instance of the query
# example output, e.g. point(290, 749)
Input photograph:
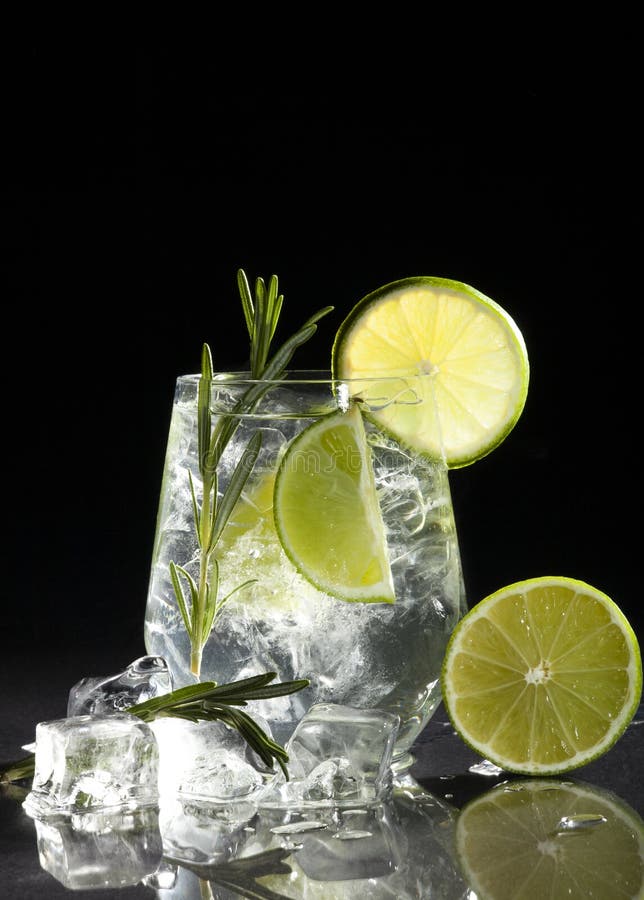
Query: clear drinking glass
point(363, 655)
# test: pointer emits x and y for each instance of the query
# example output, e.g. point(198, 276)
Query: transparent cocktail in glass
point(384, 655)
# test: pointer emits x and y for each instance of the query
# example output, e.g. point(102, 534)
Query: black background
point(135, 192)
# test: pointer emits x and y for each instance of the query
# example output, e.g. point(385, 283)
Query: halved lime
point(462, 355)
point(327, 513)
point(542, 676)
point(540, 838)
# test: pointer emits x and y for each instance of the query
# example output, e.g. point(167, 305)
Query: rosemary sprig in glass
point(211, 515)
point(208, 702)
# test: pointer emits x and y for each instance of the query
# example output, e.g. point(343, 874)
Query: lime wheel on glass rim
point(464, 352)
point(542, 676)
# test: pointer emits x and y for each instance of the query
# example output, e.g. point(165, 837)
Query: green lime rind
point(453, 461)
point(620, 722)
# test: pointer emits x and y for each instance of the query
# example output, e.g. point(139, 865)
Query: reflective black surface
point(410, 841)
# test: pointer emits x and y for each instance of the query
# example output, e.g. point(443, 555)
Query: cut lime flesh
point(327, 514)
point(543, 676)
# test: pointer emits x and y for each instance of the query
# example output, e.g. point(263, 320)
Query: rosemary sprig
point(208, 702)
point(17, 770)
point(200, 610)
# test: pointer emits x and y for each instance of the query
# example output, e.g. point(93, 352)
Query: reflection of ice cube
point(100, 851)
point(144, 678)
point(195, 831)
point(93, 762)
point(359, 847)
point(338, 756)
point(209, 761)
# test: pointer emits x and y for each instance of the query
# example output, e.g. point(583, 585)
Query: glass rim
point(301, 376)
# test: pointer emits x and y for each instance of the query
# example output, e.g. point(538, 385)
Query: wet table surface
point(412, 847)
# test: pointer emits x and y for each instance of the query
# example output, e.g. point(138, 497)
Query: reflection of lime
point(327, 513)
point(529, 840)
point(470, 350)
point(542, 676)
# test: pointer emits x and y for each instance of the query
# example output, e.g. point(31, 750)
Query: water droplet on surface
point(298, 827)
point(352, 835)
point(485, 768)
point(580, 822)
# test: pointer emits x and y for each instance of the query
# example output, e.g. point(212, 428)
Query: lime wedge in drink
point(327, 513)
point(542, 838)
point(542, 676)
point(469, 349)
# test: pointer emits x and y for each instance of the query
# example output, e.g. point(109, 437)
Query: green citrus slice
point(461, 357)
point(542, 676)
point(541, 838)
point(327, 514)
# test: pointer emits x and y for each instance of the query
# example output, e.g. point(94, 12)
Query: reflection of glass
point(92, 850)
point(543, 838)
point(357, 654)
point(402, 849)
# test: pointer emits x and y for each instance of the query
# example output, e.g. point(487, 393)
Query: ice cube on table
point(209, 761)
point(145, 677)
point(93, 762)
point(100, 850)
point(338, 756)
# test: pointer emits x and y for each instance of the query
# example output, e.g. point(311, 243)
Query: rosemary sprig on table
point(212, 514)
point(207, 702)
